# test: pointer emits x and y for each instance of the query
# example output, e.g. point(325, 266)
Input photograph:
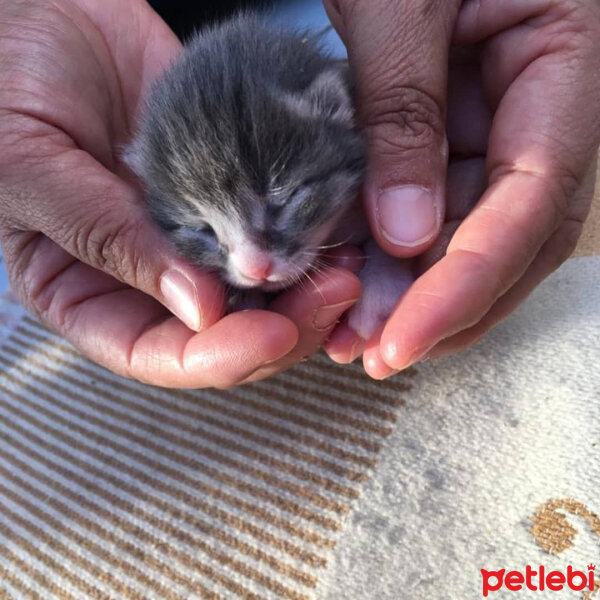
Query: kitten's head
point(251, 181)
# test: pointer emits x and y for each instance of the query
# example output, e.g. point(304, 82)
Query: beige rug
point(111, 489)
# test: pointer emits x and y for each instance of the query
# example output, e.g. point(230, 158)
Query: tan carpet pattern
point(112, 489)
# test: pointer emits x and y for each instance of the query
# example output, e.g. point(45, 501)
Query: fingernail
point(357, 349)
point(407, 215)
point(371, 364)
point(390, 352)
point(181, 298)
point(326, 316)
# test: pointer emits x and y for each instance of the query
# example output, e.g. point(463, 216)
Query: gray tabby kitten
point(252, 161)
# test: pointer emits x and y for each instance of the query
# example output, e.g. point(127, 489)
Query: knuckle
point(563, 243)
point(108, 244)
point(559, 182)
point(402, 119)
point(500, 279)
point(569, 182)
point(559, 197)
point(576, 23)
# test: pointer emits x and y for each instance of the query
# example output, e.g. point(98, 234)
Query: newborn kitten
point(252, 161)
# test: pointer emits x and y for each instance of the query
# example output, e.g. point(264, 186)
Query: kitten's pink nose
point(258, 271)
point(257, 266)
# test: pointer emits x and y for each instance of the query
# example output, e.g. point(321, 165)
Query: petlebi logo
point(538, 580)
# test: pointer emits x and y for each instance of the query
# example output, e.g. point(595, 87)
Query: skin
point(81, 251)
point(83, 256)
point(521, 102)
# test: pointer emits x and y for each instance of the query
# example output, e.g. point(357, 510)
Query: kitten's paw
point(384, 280)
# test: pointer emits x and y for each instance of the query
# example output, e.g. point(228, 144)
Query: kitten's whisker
point(335, 245)
point(302, 283)
point(316, 286)
point(365, 256)
point(323, 273)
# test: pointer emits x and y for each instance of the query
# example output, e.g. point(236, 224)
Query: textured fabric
point(112, 489)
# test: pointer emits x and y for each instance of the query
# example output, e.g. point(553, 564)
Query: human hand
point(522, 115)
point(81, 252)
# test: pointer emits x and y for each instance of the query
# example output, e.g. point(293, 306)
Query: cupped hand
point(81, 251)
point(510, 91)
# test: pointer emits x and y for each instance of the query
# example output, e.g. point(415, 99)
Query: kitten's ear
point(327, 96)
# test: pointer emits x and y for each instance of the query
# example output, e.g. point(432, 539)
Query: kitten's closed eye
point(279, 197)
point(206, 229)
point(291, 197)
point(201, 229)
point(201, 233)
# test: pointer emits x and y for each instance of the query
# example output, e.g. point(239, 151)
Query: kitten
point(252, 159)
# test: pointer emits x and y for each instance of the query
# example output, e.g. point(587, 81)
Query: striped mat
point(113, 489)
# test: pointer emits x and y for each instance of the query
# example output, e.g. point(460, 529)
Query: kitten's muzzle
point(251, 264)
point(253, 268)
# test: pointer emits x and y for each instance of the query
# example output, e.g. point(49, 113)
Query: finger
point(552, 254)
point(54, 285)
point(373, 362)
point(430, 257)
point(315, 309)
point(344, 345)
point(101, 221)
point(465, 185)
point(538, 36)
point(214, 357)
point(456, 292)
point(131, 334)
point(399, 53)
point(480, 20)
point(468, 280)
point(542, 142)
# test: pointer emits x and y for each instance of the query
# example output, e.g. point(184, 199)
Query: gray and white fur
point(251, 158)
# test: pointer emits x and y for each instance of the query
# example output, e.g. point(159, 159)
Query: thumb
point(399, 54)
point(102, 221)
